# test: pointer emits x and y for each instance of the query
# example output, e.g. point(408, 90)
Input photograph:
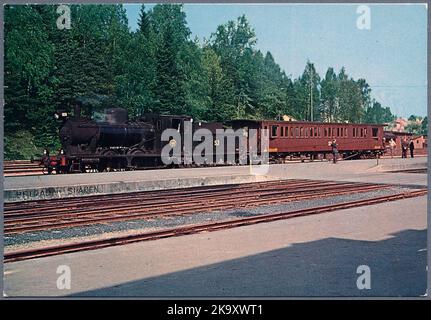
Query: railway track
point(66, 214)
point(119, 240)
point(21, 168)
point(27, 168)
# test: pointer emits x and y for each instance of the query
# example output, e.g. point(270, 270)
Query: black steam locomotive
point(114, 142)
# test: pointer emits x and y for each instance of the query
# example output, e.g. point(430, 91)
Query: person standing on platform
point(404, 148)
point(392, 146)
point(411, 147)
point(334, 147)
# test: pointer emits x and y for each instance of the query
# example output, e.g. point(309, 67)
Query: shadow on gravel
point(320, 268)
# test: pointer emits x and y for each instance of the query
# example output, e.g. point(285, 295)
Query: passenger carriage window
point(274, 130)
point(281, 132)
point(362, 132)
point(375, 132)
point(301, 132)
point(320, 132)
point(286, 132)
point(297, 132)
point(345, 132)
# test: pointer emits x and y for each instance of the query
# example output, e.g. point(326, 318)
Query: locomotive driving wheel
point(108, 163)
point(133, 158)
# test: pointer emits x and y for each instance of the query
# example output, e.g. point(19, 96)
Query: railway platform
point(306, 256)
point(21, 188)
point(303, 231)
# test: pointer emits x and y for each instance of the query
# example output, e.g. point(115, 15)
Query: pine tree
point(144, 22)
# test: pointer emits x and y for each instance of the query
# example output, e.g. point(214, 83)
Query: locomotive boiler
point(111, 142)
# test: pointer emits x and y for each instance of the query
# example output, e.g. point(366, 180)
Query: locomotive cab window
point(375, 132)
point(176, 124)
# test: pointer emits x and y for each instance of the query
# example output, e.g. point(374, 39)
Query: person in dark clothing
point(404, 148)
point(46, 161)
point(334, 147)
point(411, 147)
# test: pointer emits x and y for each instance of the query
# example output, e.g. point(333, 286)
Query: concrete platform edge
point(42, 193)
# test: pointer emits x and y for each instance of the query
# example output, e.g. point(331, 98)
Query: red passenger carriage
point(312, 139)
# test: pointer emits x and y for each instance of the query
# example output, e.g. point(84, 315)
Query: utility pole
point(311, 93)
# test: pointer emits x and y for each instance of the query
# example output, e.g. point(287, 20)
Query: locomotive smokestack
point(77, 110)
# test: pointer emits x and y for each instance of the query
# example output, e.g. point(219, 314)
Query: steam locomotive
point(117, 143)
point(114, 142)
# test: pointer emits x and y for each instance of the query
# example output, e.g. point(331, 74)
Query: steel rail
point(88, 218)
point(157, 200)
point(120, 240)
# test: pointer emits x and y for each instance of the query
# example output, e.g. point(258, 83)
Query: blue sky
point(391, 56)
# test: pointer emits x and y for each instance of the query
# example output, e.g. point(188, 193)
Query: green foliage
point(157, 68)
point(377, 114)
point(19, 145)
point(424, 126)
point(417, 125)
point(414, 127)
